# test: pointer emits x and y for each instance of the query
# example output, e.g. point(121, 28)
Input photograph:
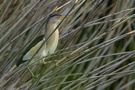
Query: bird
point(44, 44)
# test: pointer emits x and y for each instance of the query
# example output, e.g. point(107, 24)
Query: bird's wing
point(26, 55)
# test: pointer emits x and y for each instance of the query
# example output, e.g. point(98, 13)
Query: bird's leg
point(33, 76)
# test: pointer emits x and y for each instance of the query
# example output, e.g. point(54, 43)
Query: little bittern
point(39, 48)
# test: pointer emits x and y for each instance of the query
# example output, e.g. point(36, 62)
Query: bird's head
point(53, 22)
point(55, 19)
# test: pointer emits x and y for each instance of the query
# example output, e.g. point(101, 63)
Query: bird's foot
point(48, 62)
point(56, 63)
point(44, 62)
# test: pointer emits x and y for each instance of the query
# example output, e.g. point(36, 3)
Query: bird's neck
point(53, 39)
point(51, 29)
